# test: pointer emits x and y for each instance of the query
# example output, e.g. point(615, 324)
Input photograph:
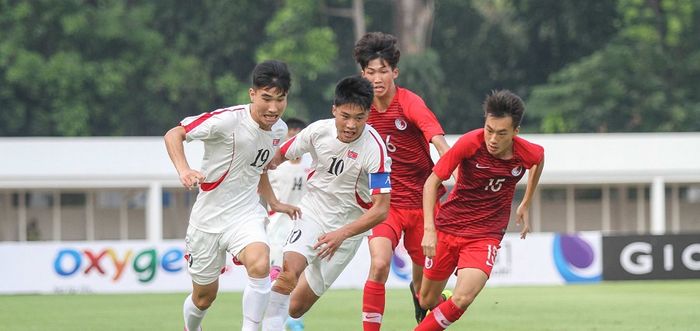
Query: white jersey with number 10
point(338, 185)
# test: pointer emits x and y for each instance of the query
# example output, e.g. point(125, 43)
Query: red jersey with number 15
point(407, 126)
point(480, 203)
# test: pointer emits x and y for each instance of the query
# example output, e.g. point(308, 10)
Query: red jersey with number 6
point(407, 126)
point(480, 203)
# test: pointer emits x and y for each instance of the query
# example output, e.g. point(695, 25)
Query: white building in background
point(121, 188)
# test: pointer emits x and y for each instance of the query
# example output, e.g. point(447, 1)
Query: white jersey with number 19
point(236, 150)
point(343, 175)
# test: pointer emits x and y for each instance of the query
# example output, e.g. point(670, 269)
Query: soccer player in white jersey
point(239, 142)
point(348, 194)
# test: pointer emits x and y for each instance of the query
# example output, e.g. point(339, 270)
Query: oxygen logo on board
point(110, 263)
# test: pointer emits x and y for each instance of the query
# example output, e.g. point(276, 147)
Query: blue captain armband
point(379, 182)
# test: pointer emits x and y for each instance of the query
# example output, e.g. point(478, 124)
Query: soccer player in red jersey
point(407, 126)
point(469, 226)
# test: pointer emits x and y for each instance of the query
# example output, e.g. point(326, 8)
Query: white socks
point(277, 312)
point(193, 316)
point(255, 298)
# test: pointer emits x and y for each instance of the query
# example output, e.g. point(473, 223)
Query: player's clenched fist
point(428, 243)
point(191, 178)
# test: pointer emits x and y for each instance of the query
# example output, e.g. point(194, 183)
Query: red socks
point(373, 305)
point(441, 317)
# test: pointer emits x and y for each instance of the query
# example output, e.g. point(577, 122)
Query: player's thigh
point(470, 281)
point(320, 274)
point(205, 257)
point(302, 239)
point(255, 258)
point(389, 229)
point(247, 230)
point(412, 223)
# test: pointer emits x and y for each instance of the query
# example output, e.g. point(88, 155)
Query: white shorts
point(278, 230)
point(207, 251)
point(320, 273)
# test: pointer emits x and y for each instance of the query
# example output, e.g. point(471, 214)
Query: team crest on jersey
point(517, 171)
point(275, 142)
point(400, 124)
point(352, 154)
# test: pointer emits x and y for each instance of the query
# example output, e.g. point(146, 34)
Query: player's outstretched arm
point(265, 190)
point(430, 191)
point(176, 151)
point(328, 243)
point(522, 213)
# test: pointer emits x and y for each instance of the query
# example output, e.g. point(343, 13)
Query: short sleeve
point(464, 148)
point(300, 144)
point(530, 153)
point(211, 125)
point(419, 114)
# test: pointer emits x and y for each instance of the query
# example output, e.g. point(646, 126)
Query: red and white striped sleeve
point(210, 125)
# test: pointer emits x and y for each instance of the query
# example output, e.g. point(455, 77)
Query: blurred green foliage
point(109, 67)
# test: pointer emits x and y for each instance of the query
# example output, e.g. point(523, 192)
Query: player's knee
point(258, 268)
point(463, 300)
point(380, 266)
point(203, 302)
point(286, 282)
point(297, 311)
point(428, 301)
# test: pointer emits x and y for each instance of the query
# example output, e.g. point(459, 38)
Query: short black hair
point(377, 45)
point(502, 103)
point(295, 123)
point(354, 90)
point(272, 74)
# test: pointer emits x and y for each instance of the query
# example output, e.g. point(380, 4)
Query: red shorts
point(460, 252)
point(408, 221)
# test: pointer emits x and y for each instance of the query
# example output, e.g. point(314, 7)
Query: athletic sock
point(193, 316)
point(373, 301)
point(277, 312)
point(441, 317)
point(255, 297)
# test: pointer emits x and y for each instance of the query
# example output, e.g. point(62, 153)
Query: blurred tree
point(512, 44)
point(644, 80)
point(298, 34)
point(122, 68)
point(109, 67)
point(216, 41)
point(67, 68)
point(420, 69)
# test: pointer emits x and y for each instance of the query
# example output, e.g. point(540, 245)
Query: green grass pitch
point(643, 305)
